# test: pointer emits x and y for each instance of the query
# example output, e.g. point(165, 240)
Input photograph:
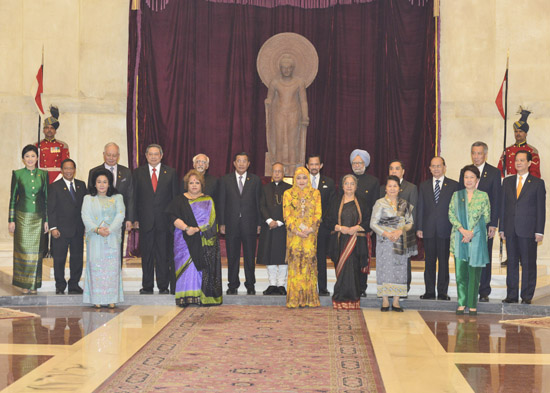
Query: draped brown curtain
point(193, 85)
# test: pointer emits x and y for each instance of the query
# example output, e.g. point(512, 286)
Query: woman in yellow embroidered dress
point(302, 215)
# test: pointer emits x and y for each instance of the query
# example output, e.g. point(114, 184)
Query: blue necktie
point(71, 190)
point(437, 191)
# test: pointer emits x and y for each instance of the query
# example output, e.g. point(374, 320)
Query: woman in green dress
point(469, 213)
point(27, 221)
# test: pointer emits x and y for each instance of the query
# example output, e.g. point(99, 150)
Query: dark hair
point(399, 161)
point(102, 172)
point(394, 178)
point(442, 159)
point(242, 153)
point(314, 155)
point(197, 174)
point(29, 148)
point(67, 160)
point(471, 168)
point(529, 155)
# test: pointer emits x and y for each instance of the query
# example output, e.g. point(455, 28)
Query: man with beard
point(201, 162)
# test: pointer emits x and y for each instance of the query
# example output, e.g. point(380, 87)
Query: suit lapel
point(66, 191)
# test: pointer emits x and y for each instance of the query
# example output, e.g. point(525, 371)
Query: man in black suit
point(522, 219)
point(65, 198)
point(122, 178)
point(489, 182)
point(434, 227)
point(325, 185)
point(408, 192)
point(368, 188)
point(155, 185)
point(272, 243)
point(201, 162)
point(239, 208)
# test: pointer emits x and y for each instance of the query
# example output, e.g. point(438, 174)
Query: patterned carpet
point(542, 322)
point(254, 349)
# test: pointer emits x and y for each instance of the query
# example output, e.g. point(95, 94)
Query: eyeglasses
point(358, 164)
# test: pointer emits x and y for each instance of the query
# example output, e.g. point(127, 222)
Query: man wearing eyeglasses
point(434, 197)
point(201, 163)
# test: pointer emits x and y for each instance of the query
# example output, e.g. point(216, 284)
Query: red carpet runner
point(254, 349)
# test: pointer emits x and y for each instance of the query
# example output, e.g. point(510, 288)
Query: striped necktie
point(437, 191)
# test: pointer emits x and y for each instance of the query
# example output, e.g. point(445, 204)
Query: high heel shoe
point(384, 309)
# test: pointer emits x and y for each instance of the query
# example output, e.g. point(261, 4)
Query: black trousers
point(60, 247)
point(485, 281)
point(437, 250)
point(233, 241)
point(521, 250)
point(155, 252)
point(323, 241)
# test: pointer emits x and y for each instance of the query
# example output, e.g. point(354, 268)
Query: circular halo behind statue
point(295, 45)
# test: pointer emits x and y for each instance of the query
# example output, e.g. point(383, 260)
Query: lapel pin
point(247, 179)
point(528, 181)
point(65, 188)
point(164, 171)
point(444, 184)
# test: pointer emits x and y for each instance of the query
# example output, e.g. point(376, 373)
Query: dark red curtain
point(193, 85)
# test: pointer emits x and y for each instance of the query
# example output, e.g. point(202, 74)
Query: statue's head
point(286, 65)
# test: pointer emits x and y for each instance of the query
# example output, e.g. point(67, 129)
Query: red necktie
point(154, 180)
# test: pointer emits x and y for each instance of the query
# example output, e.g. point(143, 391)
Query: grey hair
point(154, 145)
point(482, 144)
point(202, 154)
point(349, 175)
point(109, 145)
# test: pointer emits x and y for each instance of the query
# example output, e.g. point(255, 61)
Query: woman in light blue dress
point(103, 212)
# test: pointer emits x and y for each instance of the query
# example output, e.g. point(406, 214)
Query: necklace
point(392, 204)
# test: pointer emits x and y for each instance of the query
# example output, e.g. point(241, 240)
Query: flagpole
point(38, 144)
point(501, 248)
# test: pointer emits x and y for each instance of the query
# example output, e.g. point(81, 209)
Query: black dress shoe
point(385, 309)
point(364, 294)
point(164, 292)
point(443, 297)
point(427, 297)
point(484, 299)
point(76, 291)
point(508, 300)
point(324, 292)
point(231, 291)
point(251, 291)
point(526, 301)
point(144, 291)
point(398, 309)
point(282, 291)
point(271, 290)
point(59, 292)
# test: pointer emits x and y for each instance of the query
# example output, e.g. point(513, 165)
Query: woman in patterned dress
point(27, 221)
point(392, 221)
point(469, 213)
point(196, 247)
point(102, 213)
point(302, 215)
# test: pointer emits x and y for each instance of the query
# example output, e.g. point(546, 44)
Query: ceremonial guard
point(52, 151)
point(272, 243)
point(509, 155)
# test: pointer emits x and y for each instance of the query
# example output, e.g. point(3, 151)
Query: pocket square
point(325, 186)
point(123, 180)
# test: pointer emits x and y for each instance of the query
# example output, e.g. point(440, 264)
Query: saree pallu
point(199, 284)
point(28, 248)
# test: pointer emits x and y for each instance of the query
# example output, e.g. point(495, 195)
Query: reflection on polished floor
point(77, 348)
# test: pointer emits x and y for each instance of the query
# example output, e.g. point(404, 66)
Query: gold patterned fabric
point(301, 209)
point(28, 211)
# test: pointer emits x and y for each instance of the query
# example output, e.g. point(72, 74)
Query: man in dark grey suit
point(65, 198)
point(155, 185)
point(522, 220)
point(201, 162)
point(239, 218)
point(122, 178)
point(325, 185)
point(408, 192)
point(433, 225)
point(489, 182)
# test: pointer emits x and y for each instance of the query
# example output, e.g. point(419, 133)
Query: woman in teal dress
point(102, 213)
point(469, 213)
point(27, 221)
point(197, 256)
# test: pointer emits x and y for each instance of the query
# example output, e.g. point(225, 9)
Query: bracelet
point(186, 228)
